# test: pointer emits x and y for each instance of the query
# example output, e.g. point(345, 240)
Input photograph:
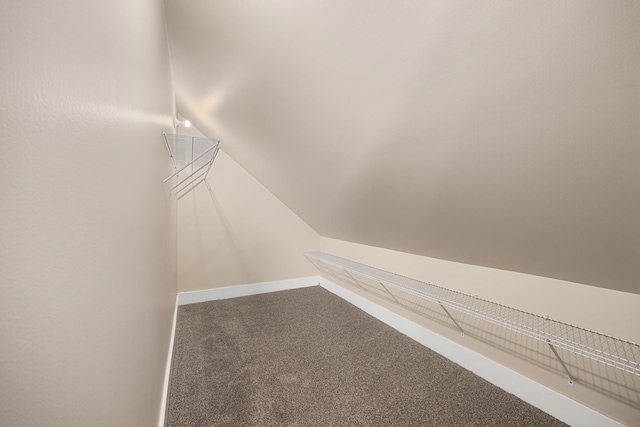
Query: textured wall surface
point(87, 234)
point(503, 134)
point(235, 232)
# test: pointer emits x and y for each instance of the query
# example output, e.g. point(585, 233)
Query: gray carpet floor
point(306, 357)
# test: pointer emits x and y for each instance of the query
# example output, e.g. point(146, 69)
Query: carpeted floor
point(306, 357)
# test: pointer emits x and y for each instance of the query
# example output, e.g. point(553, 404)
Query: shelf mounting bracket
point(353, 278)
point(571, 381)
point(392, 296)
point(451, 317)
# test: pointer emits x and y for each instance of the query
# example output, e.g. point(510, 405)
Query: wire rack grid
point(192, 158)
point(611, 351)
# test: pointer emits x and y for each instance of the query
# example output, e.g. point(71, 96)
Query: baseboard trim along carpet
point(193, 297)
point(167, 373)
point(546, 399)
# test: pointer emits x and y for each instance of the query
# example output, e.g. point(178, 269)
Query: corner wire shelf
point(611, 351)
point(192, 158)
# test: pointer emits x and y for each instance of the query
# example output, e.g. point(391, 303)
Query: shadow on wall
point(603, 379)
point(226, 226)
point(209, 253)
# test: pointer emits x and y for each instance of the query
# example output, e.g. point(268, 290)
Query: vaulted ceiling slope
point(503, 134)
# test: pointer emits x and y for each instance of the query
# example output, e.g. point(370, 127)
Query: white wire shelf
point(404, 291)
point(192, 158)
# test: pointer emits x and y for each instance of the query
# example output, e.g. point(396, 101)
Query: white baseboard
point(222, 293)
point(167, 372)
point(550, 401)
point(245, 290)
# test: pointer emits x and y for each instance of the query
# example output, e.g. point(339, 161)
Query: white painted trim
point(167, 372)
point(245, 290)
point(544, 398)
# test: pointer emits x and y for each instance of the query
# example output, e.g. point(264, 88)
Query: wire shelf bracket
point(405, 291)
point(192, 158)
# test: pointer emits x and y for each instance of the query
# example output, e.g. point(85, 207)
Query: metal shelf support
point(392, 295)
point(571, 381)
point(451, 317)
point(353, 278)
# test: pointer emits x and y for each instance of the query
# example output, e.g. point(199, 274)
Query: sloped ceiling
point(499, 133)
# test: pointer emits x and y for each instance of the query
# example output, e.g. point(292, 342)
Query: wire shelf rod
point(164, 181)
point(191, 185)
point(190, 176)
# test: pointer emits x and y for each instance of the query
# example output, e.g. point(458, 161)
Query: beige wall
point(87, 234)
point(612, 312)
point(235, 232)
